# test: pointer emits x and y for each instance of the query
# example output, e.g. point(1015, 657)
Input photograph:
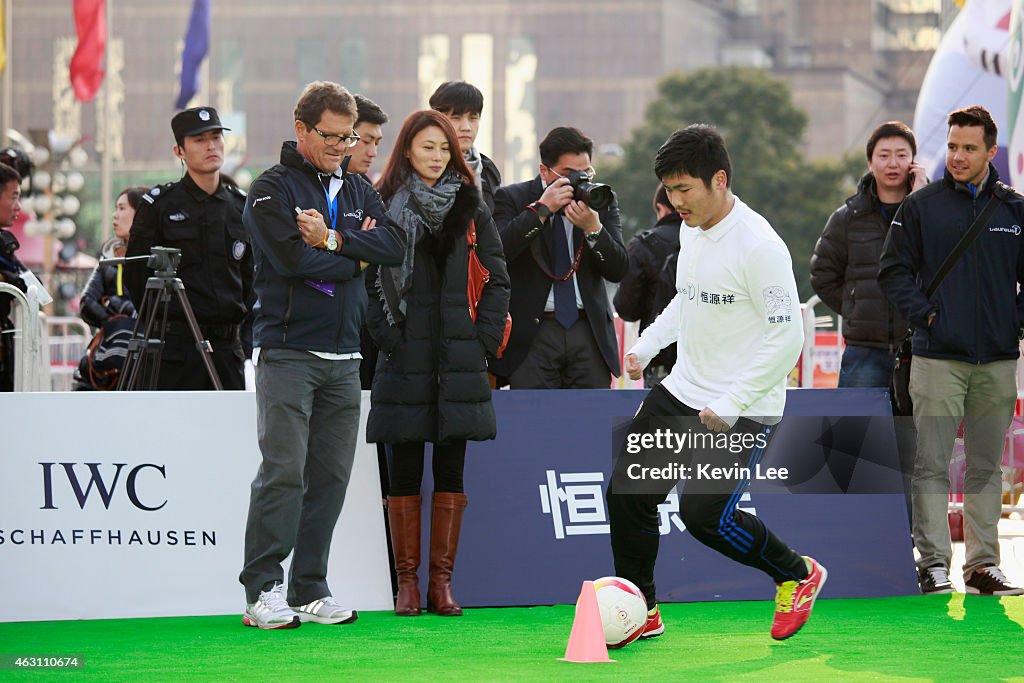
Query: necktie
point(565, 294)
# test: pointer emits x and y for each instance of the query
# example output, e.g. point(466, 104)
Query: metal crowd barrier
point(31, 367)
point(68, 338)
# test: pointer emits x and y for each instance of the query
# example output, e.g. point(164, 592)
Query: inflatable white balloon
point(1014, 73)
point(968, 68)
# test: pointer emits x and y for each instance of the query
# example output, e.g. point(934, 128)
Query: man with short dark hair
point(369, 121)
point(201, 215)
point(650, 282)
point(736, 321)
point(965, 347)
point(314, 227)
point(559, 253)
point(463, 103)
point(844, 267)
point(10, 268)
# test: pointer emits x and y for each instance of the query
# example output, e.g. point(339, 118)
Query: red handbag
point(478, 276)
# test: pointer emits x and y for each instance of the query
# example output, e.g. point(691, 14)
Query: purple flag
point(197, 45)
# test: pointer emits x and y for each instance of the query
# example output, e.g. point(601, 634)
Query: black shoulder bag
point(899, 384)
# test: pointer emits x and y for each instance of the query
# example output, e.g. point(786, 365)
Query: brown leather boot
point(445, 525)
point(404, 517)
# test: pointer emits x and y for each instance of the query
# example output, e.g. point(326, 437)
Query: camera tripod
point(141, 368)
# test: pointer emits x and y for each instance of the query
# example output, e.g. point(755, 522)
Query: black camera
point(597, 196)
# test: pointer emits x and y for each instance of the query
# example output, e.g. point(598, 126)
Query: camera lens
point(600, 196)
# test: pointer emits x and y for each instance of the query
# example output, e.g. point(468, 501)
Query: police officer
point(201, 215)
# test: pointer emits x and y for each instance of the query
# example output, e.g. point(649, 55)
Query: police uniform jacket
point(216, 263)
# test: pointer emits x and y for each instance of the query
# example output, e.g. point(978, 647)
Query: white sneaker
point(326, 611)
point(271, 611)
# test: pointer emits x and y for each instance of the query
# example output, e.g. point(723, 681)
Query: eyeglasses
point(589, 171)
point(333, 139)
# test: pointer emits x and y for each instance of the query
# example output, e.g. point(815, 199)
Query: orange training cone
point(586, 641)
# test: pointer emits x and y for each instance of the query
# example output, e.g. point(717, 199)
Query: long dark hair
point(398, 168)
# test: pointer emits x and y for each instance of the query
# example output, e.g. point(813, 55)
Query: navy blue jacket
point(978, 311)
point(289, 313)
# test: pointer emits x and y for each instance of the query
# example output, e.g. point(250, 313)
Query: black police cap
point(195, 121)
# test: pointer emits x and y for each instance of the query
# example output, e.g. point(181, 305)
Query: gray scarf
point(417, 208)
point(476, 165)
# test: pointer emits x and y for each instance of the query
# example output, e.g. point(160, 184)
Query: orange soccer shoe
point(794, 601)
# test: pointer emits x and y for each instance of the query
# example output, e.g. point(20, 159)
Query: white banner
point(120, 505)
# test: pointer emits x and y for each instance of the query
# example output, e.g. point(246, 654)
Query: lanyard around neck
point(332, 207)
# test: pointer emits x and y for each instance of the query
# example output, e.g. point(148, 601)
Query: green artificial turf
point(927, 638)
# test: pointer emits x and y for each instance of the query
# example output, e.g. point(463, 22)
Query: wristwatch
point(592, 236)
point(542, 211)
point(332, 240)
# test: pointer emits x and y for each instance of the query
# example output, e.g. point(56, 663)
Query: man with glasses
point(559, 253)
point(314, 227)
point(201, 215)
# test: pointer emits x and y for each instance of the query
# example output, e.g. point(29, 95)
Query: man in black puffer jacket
point(313, 229)
point(965, 347)
point(650, 282)
point(844, 267)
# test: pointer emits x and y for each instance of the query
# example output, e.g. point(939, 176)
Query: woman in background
point(105, 296)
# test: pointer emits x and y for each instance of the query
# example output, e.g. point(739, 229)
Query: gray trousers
point(307, 424)
point(946, 392)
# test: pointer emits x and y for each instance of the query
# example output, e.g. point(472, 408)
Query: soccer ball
point(623, 610)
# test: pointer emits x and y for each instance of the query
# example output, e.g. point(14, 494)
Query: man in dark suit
point(559, 253)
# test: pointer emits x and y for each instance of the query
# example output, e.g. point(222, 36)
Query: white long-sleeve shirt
point(735, 317)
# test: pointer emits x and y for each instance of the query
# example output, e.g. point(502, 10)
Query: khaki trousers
point(946, 392)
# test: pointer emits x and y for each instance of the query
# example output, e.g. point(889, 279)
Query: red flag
point(87, 63)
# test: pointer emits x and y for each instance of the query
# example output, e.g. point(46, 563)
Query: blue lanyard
point(332, 208)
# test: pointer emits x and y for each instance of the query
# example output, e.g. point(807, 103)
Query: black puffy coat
point(103, 286)
point(844, 270)
point(431, 378)
point(650, 282)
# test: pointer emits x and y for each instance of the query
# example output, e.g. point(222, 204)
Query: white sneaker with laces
point(326, 611)
point(271, 610)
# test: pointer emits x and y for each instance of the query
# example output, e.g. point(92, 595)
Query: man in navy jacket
point(965, 347)
point(313, 229)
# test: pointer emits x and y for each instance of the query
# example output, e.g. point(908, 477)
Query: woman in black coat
point(105, 296)
point(431, 379)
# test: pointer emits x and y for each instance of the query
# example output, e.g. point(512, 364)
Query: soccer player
point(736, 321)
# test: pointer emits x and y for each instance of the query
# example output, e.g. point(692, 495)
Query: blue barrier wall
point(536, 526)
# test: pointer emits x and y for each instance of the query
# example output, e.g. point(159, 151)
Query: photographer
point(559, 252)
point(10, 268)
